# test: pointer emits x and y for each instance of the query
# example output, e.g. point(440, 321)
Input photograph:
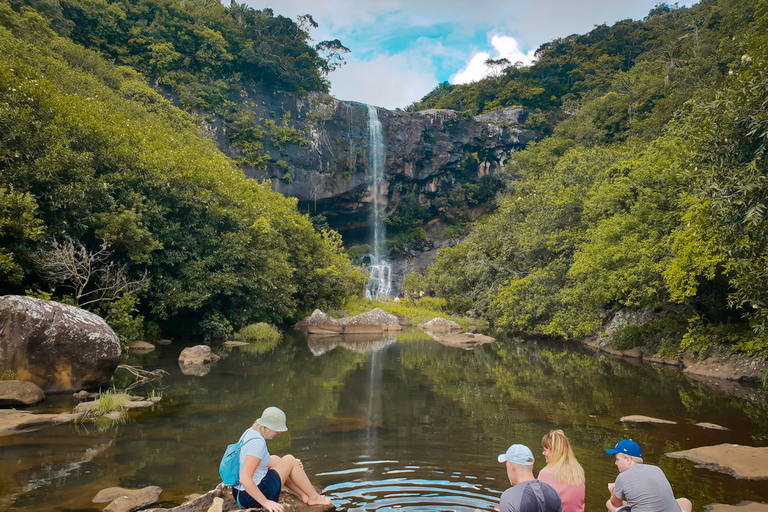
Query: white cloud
point(388, 81)
point(505, 47)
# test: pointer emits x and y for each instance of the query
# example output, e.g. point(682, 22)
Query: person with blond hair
point(563, 472)
point(262, 475)
point(640, 487)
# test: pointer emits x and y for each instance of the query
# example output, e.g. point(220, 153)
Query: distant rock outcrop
point(376, 321)
point(58, 347)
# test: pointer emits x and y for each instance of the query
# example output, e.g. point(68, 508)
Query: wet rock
point(13, 422)
point(197, 355)
point(234, 344)
point(290, 501)
point(744, 506)
point(728, 367)
point(85, 407)
point(745, 462)
point(139, 404)
point(712, 426)
point(83, 395)
point(114, 415)
point(58, 347)
point(126, 500)
point(465, 340)
point(164, 341)
point(638, 418)
point(16, 393)
point(439, 324)
point(140, 346)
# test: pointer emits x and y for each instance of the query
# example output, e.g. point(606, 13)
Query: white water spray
point(379, 275)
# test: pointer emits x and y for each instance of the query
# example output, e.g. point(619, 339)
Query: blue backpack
point(229, 469)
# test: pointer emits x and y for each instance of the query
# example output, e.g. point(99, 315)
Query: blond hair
point(258, 427)
point(636, 460)
point(562, 462)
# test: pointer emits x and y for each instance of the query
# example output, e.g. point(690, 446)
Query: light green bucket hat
point(273, 418)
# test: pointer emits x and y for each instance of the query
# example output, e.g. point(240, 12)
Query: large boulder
point(58, 347)
point(199, 354)
point(17, 393)
point(375, 321)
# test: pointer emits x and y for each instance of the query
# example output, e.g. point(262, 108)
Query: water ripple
point(411, 494)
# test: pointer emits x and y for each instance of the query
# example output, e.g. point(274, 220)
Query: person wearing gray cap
point(262, 475)
point(527, 494)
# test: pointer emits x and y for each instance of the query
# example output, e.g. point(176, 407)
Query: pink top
point(571, 495)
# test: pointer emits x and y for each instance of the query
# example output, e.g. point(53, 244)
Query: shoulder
point(546, 476)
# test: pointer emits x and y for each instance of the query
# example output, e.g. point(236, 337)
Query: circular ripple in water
point(401, 494)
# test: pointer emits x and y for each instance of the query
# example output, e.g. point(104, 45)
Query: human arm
point(247, 470)
point(615, 501)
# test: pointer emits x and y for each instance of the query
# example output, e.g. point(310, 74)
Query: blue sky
point(401, 49)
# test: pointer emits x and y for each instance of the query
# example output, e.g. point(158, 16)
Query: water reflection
point(388, 423)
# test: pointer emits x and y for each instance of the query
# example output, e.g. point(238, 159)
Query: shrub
point(357, 252)
point(259, 332)
point(661, 336)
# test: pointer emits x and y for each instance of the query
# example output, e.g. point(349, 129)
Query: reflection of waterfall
point(374, 401)
point(379, 280)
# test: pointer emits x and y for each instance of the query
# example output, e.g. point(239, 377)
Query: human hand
point(611, 486)
point(301, 464)
point(273, 506)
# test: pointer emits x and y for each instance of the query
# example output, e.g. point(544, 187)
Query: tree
point(333, 53)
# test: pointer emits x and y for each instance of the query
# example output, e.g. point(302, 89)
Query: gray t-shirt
point(258, 448)
point(646, 489)
point(531, 496)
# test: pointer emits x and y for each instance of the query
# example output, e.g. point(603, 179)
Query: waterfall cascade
point(379, 274)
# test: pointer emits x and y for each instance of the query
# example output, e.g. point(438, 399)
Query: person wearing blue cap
point(527, 494)
point(640, 487)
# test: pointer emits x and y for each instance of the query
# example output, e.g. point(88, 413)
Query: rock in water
point(58, 347)
point(199, 354)
point(16, 393)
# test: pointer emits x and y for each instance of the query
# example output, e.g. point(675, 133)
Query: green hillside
point(91, 155)
point(649, 197)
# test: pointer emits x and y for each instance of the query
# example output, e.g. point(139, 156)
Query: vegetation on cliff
point(89, 152)
point(649, 195)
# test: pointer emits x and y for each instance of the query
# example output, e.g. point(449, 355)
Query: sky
point(402, 49)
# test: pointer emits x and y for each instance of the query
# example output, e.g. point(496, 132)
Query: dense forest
point(114, 200)
point(648, 197)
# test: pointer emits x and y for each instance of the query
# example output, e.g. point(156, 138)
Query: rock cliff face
point(318, 151)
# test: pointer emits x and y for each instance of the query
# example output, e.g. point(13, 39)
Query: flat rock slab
point(12, 422)
point(744, 506)
point(234, 344)
point(745, 462)
point(126, 500)
point(713, 426)
point(637, 418)
point(17, 393)
point(466, 340)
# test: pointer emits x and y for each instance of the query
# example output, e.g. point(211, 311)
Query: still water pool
point(399, 423)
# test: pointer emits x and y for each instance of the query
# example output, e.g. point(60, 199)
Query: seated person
point(641, 487)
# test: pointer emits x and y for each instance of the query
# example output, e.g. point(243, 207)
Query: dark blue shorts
point(270, 486)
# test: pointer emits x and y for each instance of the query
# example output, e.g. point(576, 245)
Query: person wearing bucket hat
point(262, 475)
point(526, 494)
point(640, 487)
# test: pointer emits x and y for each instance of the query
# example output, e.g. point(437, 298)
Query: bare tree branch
point(91, 276)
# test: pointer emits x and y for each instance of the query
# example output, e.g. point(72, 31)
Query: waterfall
point(379, 275)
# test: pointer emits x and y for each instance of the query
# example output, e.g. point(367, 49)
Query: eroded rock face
point(426, 152)
point(57, 347)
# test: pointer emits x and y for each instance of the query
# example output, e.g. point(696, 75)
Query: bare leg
point(293, 476)
point(685, 504)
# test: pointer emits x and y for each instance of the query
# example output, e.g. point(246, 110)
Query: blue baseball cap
point(517, 454)
point(627, 447)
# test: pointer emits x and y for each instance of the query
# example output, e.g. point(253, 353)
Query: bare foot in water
point(320, 500)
